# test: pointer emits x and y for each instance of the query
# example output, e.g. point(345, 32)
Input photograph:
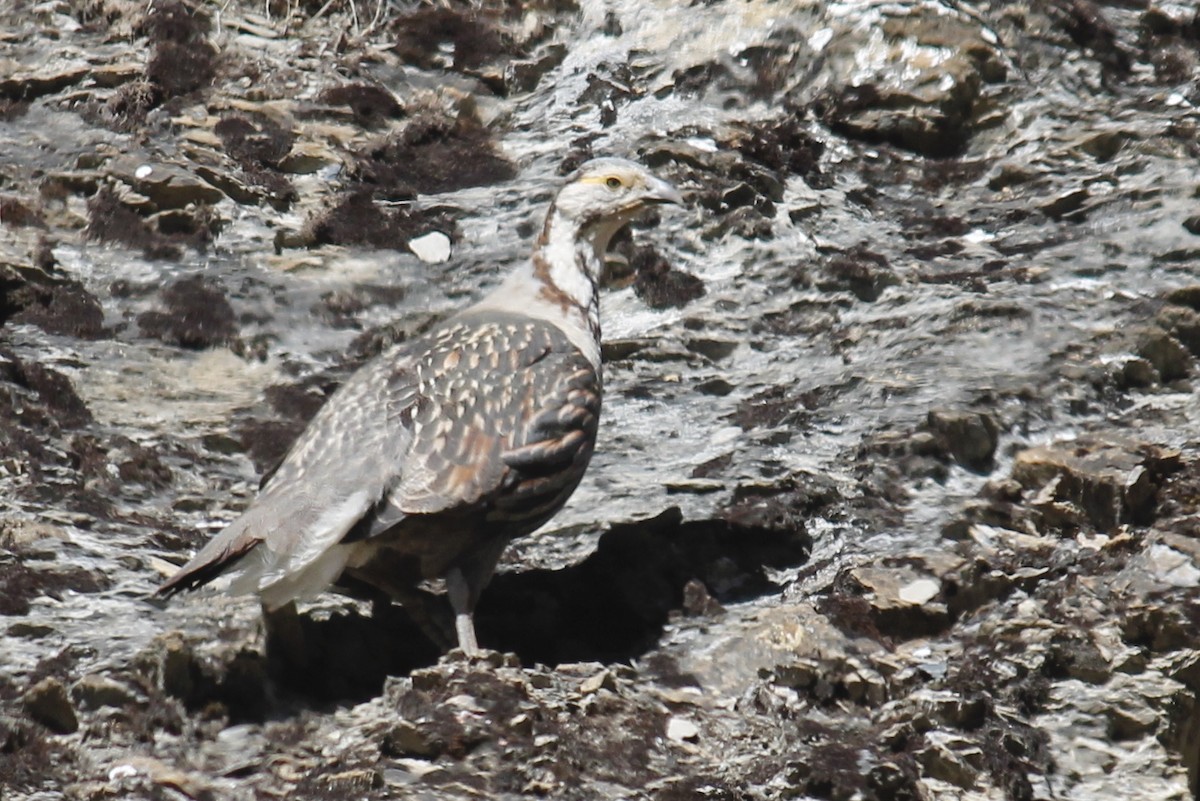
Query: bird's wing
point(339, 467)
point(498, 414)
point(504, 431)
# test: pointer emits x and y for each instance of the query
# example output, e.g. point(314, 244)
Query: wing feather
point(336, 471)
point(511, 406)
point(475, 417)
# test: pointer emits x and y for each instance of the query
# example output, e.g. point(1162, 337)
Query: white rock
point(431, 248)
point(1172, 567)
point(122, 772)
point(682, 729)
point(920, 591)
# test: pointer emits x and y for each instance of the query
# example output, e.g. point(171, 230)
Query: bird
point(432, 457)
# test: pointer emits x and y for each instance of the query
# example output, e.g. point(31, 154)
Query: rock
point(738, 195)
point(1077, 657)
point(682, 730)
point(662, 286)
point(715, 386)
point(112, 217)
point(1009, 174)
point(47, 298)
point(713, 349)
point(1065, 204)
point(196, 314)
point(901, 600)
point(618, 349)
point(1183, 667)
point(863, 272)
point(434, 153)
point(1136, 374)
point(865, 686)
point(18, 532)
point(1132, 724)
point(800, 673)
point(601, 681)
point(31, 85)
point(952, 759)
point(1183, 323)
point(697, 602)
point(31, 631)
point(168, 185)
point(307, 158)
point(890, 780)
point(935, 108)
point(970, 437)
point(15, 734)
point(1168, 356)
point(523, 75)
point(1188, 296)
point(112, 75)
point(1172, 562)
point(432, 248)
point(233, 184)
point(949, 708)
point(729, 183)
point(919, 591)
point(46, 702)
point(94, 691)
point(828, 681)
point(521, 725)
point(132, 772)
point(784, 145)
point(744, 223)
point(122, 771)
point(22, 579)
point(428, 679)
point(255, 139)
point(178, 673)
point(1094, 481)
point(357, 219)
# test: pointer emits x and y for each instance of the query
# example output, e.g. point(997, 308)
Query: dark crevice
point(610, 608)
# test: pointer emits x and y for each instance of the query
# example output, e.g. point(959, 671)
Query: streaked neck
point(567, 262)
point(558, 283)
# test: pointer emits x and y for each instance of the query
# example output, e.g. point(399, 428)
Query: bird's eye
point(613, 182)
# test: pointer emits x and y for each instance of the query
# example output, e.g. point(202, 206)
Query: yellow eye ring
point(613, 182)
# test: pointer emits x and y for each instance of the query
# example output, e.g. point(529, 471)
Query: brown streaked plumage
point(429, 460)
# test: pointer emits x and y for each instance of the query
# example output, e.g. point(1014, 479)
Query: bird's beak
point(659, 191)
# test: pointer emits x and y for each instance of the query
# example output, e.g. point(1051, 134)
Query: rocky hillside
point(898, 483)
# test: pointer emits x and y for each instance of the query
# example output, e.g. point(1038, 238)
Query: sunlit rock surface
point(896, 492)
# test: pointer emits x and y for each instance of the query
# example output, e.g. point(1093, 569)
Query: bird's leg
point(426, 610)
point(464, 582)
point(462, 600)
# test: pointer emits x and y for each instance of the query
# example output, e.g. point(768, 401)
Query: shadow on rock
point(612, 607)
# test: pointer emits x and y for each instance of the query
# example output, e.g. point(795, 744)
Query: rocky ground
point(897, 490)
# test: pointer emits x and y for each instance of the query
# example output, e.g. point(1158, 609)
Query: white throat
point(575, 260)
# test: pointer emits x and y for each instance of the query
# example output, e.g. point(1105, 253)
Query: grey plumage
point(431, 458)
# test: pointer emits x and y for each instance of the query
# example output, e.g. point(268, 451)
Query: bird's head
point(604, 194)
